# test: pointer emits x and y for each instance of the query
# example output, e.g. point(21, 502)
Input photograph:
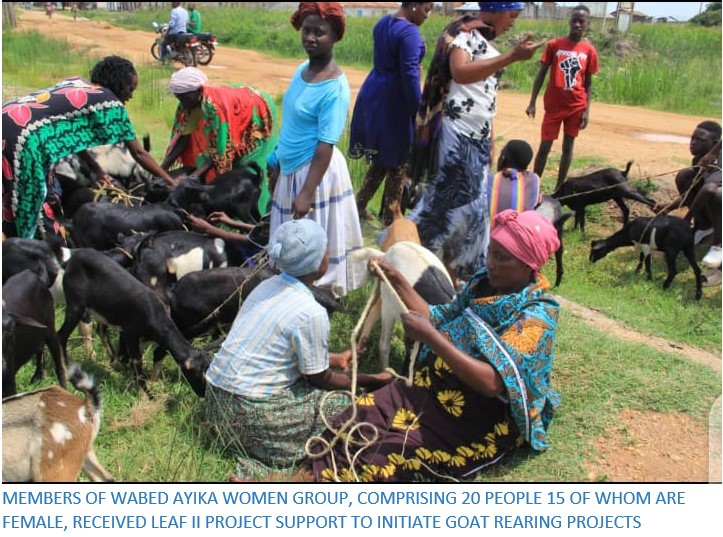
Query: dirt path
point(648, 448)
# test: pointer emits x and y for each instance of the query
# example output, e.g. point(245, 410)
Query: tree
point(711, 16)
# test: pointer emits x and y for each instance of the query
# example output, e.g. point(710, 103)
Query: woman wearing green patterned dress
point(219, 128)
point(43, 127)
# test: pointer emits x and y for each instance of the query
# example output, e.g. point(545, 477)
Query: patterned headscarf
point(331, 12)
point(528, 236)
point(501, 6)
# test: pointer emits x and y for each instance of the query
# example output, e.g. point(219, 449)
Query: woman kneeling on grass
point(483, 386)
point(266, 383)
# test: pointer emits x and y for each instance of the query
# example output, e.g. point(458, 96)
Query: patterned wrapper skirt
point(452, 217)
point(436, 429)
point(270, 433)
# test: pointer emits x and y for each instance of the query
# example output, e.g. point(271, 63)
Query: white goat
point(422, 269)
point(48, 434)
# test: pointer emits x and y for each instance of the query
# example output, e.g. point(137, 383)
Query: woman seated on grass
point(483, 388)
point(266, 382)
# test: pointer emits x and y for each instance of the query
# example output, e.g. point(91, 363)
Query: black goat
point(28, 325)
point(235, 192)
point(98, 225)
point(598, 187)
point(665, 233)
point(551, 209)
point(95, 283)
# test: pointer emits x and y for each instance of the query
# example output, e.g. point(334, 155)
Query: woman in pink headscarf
point(482, 388)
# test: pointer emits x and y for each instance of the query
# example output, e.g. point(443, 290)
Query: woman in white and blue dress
point(453, 141)
point(314, 181)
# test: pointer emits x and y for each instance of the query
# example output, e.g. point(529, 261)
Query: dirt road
point(657, 141)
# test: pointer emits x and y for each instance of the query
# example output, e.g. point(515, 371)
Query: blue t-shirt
point(312, 113)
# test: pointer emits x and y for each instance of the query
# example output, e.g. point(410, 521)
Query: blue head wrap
point(297, 247)
point(501, 6)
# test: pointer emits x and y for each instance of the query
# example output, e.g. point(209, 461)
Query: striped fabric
point(334, 209)
point(279, 334)
point(512, 189)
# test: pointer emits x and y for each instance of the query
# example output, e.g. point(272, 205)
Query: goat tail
point(83, 382)
point(147, 142)
point(627, 168)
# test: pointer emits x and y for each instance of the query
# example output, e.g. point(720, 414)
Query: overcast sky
point(680, 10)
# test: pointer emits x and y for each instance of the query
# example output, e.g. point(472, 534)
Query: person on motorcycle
point(194, 19)
point(177, 25)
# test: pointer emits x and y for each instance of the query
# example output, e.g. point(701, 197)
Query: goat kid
point(551, 209)
point(422, 269)
point(665, 233)
point(28, 325)
point(235, 192)
point(598, 187)
point(98, 225)
point(97, 284)
point(48, 435)
point(162, 259)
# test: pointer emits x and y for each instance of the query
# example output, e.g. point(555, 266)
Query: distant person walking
point(567, 98)
point(49, 10)
point(383, 121)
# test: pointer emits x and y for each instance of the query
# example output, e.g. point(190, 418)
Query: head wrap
point(501, 6)
point(528, 236)
point(187, 79)
point(331, 12)
point(298, 246)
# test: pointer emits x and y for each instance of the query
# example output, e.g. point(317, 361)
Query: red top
point(569, 62)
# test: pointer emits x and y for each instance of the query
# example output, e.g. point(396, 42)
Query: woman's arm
point(144, 158)
point(319, 165)
point(465, 70)
point(478, 375)
point(333, 380)
point(177, 147)
point(200, 225)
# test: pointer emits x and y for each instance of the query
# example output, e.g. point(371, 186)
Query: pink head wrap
point(528, 235)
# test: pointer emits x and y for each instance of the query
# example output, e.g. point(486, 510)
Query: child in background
point(567, 98)
point(513, 186)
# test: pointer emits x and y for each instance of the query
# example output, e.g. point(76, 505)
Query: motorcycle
point(182, 50)
point(206, 47)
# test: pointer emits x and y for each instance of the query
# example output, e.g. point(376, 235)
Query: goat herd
point(136, 267)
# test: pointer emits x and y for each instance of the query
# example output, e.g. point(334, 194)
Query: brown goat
point(48, 434)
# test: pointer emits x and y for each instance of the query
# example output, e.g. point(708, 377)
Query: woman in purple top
point(383, 119)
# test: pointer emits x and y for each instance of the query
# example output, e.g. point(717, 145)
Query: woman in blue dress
point(383, 119)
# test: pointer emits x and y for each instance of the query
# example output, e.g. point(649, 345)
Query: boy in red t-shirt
point(567, 98)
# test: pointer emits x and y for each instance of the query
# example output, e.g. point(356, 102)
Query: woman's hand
point(525, 48)
point(378, 266)
point(302, 205)
point(221, 218)
point(418, 327)
point(198, 224)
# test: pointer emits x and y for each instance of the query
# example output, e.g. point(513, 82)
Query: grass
point(599, 376)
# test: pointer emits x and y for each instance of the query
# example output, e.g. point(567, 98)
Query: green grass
point(599, 376)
